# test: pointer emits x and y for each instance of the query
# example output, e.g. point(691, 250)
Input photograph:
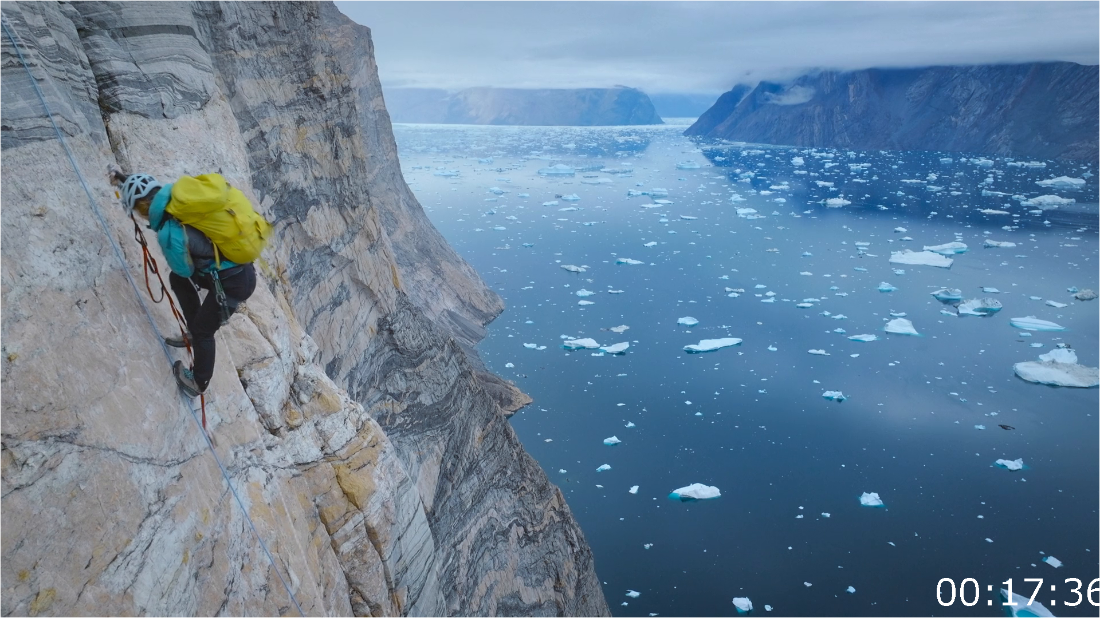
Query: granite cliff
point(518, 106)
point(368, 445)
point(1044, 110)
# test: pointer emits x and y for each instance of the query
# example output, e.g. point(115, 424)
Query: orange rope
point(150, 264)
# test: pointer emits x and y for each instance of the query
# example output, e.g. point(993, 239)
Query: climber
point(176, 213)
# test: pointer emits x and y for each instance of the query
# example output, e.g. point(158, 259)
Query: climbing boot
point(186, 380)
point(178, 342)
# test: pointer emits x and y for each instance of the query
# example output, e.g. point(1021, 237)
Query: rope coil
point(148, 315)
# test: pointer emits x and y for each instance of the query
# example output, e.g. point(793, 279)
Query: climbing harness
point(145, 308)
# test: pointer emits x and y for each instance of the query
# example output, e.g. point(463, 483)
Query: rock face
point(514, 106)
point(366, 442)
point(1045, 110)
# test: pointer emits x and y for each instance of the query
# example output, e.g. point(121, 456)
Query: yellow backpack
point(209, 204)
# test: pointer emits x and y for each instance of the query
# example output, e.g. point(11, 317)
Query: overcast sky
point(705, 47)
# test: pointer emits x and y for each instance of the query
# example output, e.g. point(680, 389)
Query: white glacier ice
point(574, 269)
point(901, 326)
point(1033, 323)
point(628, 261)
point(1052, 561)
point(1058, 368)
point(633, 489)
point(989, 244)
point(950, 248)
point(603, 468)
point(617, 348)
point(1062, 182)
point(612, 441)
point(870, 499)
point(980, 307)
point(687, 321)
point(633, 594)
point(1011, 464)
point(580, 344)
point(695, 491)
point(819, 352)
point(920, 258)
point(619, 329)
point(834, 395)
point(948, 295)
point(863, 338)
point(836, 202)
point(1048, 202)
point(709, 345)
point(886, 287)
point(743, 604)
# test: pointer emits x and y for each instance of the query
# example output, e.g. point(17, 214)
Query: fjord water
point(751, 419)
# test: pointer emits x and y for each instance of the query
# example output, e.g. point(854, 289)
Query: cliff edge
point(360, 434)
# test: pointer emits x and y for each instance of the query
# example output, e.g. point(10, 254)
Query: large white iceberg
point(580, 344)
point(695, 491)
point(901, 326)
point(870, 499)
point(1058, 368)
point(1062, 182)
point(1033, 323)
point(990, 244)
point(949, 248)
point(743, 604)
point(687, 321)
point(1048, 202)
point(948, 295)
point(612, 441)
point(603, 468)
point(920, 258)
point(617, 348)
point(709, 345)
point(836, 202)
point(1010, 464)
point(834, 396)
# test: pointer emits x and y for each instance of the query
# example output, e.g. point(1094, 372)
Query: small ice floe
point(1085, 295)
point(804, 305)
point(652, 243)
point(1033, 323)
point(619, 329)
point(629, 261)
point(989, 290)
point(948, 295)
point(807, 584)
point(603, 468)
point(709, 345)
point(580, 344)
point(834, 396)
point(695, 491)
point(826, 515)
point(743, 604)
point(509, 365)
point(871, 499)
point(1048, 202)
point(647, 545)
point(531, 346)
point(1058, 368)
point(687, 321)
point(899, 271)
point(629, 424)
point(574, 269)
point(767, 608)
point(688, 217)
point(920, 258)
point(633, 489)
point(617, 348)
point(1010, 464)
point(993, 244)
point(1019, 605)
point(583, 292)
point(980, 307)
point(1056, 304)
point(572, 197)
point(901, 326)
point(612, 441)
point(550, 203)
point(772, 348)
point(900, 230)
point(836, 202)
point(819, 352)
point(1062, 182)
point(886, 287)
point(633, 594)
point(1052, 561)
point(950, 248)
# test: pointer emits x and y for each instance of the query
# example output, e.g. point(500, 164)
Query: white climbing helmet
point(137, 186)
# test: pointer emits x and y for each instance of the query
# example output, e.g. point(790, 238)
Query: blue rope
point(133, 284)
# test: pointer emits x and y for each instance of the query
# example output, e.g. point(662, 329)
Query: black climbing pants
point(204, 319)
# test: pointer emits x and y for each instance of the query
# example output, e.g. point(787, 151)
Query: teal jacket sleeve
point(173, 242)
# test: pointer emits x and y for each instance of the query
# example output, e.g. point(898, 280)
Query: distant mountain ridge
point(1047, 110)
point(515, 106)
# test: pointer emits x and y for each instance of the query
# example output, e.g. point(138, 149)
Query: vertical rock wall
point(364, 439)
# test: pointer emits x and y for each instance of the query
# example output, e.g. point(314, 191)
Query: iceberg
point(618, 348)
point(1033, 323)
point(1048, 202)
point(851, 590)
point(628, 261)
point(819, 352)
point(743, 604)
point(619, 329)
point(580, 344)
point(583, 292)
point(870, 499)
point(572, 197)
point(557, 170)
point(695, 491)
point(1062, 182)
point(1021, 606)
point(633, 594)
point(603, 468)
point(979, 307)
point(950, 248)
point(1014, 464)
point(1052, 561)
point(901, 326)
point(710, 345)
point(585, 302)
point(863, 338)
point(836, 202)
point(920, 258)
point(1085, 295)
point(612, 441)
point(633, 489)
point(687, 321)
point(948, 295)
point(834, 396)
point(886, 287)
point(989, 290)
point(1056, 304)
point(991, 244)
point(1058, 368)
point(531, 346)
point(574, 269)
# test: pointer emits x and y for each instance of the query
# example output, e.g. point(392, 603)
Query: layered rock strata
point(1045, 110)
point(367, 447)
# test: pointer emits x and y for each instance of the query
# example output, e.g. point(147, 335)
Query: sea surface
point(924, 418)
